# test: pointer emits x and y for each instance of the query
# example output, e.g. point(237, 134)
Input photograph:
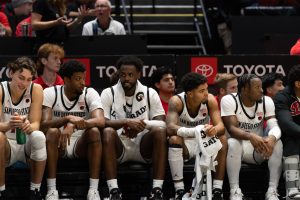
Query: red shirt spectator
point(295, 50)
point(4, 22)
point(19, 32)
point(58, 81)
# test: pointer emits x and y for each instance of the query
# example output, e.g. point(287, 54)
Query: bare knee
point(93, 134)
point(159, 134)
point(52, 135)
point(108, 135)
point(176, 140)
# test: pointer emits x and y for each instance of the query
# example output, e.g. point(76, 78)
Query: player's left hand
point(210, 130)
point(270, 143)
point(26, 127)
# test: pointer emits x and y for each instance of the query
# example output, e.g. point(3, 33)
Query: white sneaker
point(93, 195)
point(236, 194)
point(52, 195)
point(272, 194)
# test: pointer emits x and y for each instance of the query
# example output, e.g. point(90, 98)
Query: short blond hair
point(222, 79)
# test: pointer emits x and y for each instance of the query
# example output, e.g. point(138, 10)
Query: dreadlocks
point(245, 80)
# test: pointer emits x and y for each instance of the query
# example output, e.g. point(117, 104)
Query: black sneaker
point(179, 194)
point(3, 195)
point(217, 194)
point(35, 195)
point(115, 194)
point(156, 194)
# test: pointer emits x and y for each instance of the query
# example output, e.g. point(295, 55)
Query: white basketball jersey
point(250, 120)
point(63, 106)
point(9, 108)
point(186, 120)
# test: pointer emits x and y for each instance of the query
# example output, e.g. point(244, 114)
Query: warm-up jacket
point(288, 112)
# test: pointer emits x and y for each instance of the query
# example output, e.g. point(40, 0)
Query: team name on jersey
point(137, 113)
point(194, 123)
point(64, 113)
point(20, 111)
point(249, 126)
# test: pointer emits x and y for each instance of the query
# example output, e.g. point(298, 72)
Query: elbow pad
point(274, 128)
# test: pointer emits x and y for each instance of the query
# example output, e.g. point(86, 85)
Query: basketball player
point(193, 107)
point(243, 114)
point(72, 116)
point(134, 120)
point(21, 105)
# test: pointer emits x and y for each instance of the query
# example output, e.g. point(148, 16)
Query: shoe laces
point(156, 193)
point(93, 194)
point(237, 193)
point(179, 194)
point(52, 195)
point(272, 194)
point(115, 194)
point(217, 194)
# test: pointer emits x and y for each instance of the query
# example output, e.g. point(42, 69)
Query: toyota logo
point(205, 70)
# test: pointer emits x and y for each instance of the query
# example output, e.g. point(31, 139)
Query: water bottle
point(21, 136)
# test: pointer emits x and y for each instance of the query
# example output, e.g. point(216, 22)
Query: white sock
point(94, 183)
point(51, 183)
point(217, 184)
point(158, 183)
point(34, 186)
point(112, 183)
point(2, 188)
point(175, 156)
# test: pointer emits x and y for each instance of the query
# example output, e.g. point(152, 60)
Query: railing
point(128, 22)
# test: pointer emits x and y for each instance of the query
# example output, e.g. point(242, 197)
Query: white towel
point(208, 147)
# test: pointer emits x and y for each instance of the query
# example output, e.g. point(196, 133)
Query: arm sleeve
point(228, 106)
point(270, 107)
point(107, 100)
point(284, 117)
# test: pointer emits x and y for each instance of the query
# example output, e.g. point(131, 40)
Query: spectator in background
point(164, 83)
point(50, 22)
point(48, 64)
point(287, 104)
point(226, 84)
point(104, 24)
point(5, 29)
point(16, 11)
point(20, 32)
point(272, 83)
point(73, 7)
point(295, 50)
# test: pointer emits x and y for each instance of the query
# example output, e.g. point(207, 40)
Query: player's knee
point(278, 148)
point(234, 145)
point(159, 133)
point(108, 134)
point(52, 135)
point(175, 140)
point(93, 134)
point(38, 146)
